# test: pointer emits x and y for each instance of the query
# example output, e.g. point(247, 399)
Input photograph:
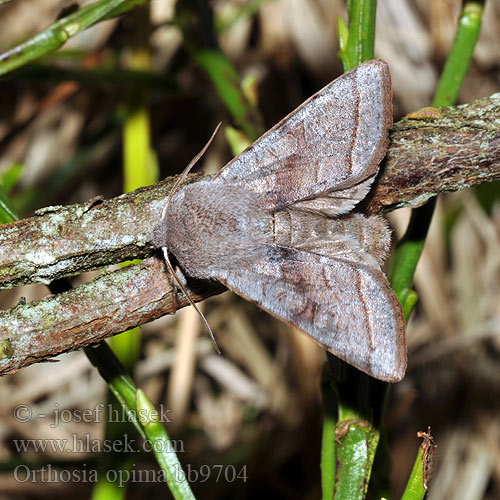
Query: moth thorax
point(213, 226)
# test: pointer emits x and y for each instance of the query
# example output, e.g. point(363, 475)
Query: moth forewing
point(334, 141)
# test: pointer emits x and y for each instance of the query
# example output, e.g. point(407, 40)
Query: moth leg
point(180, 275)
point(175, 289)
point(181, 281)
point(175, 285)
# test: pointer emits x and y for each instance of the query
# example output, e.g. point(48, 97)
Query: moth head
point(160, 237)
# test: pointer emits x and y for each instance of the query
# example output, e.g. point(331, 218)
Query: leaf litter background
point(259, 404)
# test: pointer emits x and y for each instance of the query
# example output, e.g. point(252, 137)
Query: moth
point(276, 224)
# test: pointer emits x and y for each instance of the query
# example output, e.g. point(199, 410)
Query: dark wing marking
point(332, 142)
point(346, 306)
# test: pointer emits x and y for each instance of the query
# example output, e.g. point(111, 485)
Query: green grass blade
point(119, 382)
point(460, 56)
point(357, 45)
point(7, 210)
point(226, 81)
point(328, 446)
point(56, 35)
point(415, 489)
point(407, 254)
point(142, 414)
point(162, 448)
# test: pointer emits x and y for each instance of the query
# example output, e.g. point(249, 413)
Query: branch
point(436, 150)
point(112, 303)
point(68, 240)
point(431, 151)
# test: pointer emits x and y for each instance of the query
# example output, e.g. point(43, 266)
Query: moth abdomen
point(332, 236)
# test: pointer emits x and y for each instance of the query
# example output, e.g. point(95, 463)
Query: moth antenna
point(186, 171)
point(191, 301)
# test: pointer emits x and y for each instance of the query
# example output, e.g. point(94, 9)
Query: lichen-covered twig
point(111, 303)
point(68, 240)
point(435, 150)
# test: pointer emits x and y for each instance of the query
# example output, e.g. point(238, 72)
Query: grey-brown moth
point(276, 226)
